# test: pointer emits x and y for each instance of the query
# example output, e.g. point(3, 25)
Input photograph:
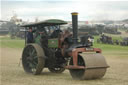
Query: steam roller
point(58, 50)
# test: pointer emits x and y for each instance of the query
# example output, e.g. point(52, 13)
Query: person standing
point(30, 36)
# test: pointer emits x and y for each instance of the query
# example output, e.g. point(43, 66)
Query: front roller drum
point(95, 66)
point(33, 60)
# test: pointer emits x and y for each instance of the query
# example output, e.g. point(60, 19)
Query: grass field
point(11, 43)
point(12, 72)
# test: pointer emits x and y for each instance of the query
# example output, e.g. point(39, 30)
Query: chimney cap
point(74, 13)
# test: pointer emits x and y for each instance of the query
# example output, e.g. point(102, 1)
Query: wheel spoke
point(30, 53)
point(32, 65)
point(33, 69)
point(33, 52)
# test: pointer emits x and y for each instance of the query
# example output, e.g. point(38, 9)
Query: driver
point(30, 36)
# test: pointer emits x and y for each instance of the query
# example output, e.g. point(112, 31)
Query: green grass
point(112, 50)
point(19, 43)
point(11, 43)
point(108, 47)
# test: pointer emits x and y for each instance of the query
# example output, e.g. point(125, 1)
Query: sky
point(61, 9)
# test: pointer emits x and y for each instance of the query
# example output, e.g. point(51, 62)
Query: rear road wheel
point(33, 59)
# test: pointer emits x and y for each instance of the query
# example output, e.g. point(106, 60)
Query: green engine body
point(53, 43)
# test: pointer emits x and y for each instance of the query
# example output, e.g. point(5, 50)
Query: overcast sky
point(61, 9)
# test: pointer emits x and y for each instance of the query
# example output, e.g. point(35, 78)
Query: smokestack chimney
point(75, 26)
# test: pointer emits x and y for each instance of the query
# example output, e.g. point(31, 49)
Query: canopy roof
point(49, 22)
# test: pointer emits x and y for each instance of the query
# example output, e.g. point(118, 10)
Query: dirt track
point(13, 74)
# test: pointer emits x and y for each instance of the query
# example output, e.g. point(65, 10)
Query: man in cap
point(30, 36)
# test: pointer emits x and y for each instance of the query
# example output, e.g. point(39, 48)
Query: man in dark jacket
point(30, 36)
